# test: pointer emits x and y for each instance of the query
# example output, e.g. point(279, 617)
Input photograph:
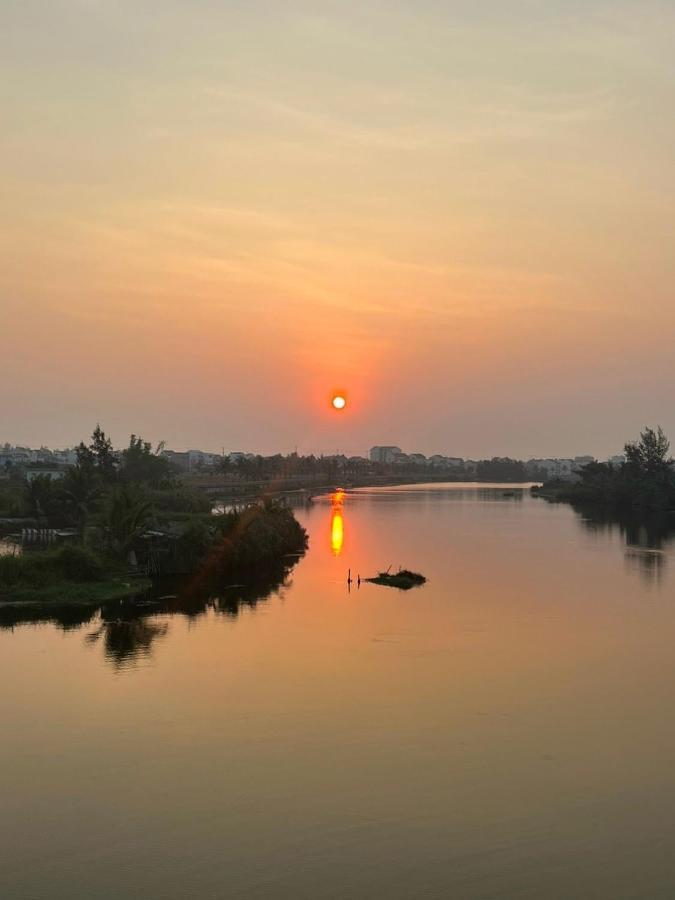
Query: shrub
point(78, 563)
point(39, 569)
point(254, 538)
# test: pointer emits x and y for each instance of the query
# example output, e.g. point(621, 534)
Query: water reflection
point(126, 641)
point(442, 493)
point(646, 538)
point(337, 528)
point(128, 630)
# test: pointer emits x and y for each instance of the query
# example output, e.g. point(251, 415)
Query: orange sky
point(213, 214)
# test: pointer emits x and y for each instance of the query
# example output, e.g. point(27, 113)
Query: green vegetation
point(75, 592)
point(254, 539)
point(404, 579)
point(69, 572)
point(128, 512)
point(12, 499)
point(69, 563)
point(645, 481)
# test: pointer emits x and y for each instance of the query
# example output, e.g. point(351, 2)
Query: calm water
point(506, 731)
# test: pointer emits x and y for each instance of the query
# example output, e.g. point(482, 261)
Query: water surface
point(506, 731)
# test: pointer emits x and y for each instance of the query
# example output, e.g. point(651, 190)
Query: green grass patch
point(77, 592)
point(68, 573)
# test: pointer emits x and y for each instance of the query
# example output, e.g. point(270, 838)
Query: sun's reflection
point(337, 528)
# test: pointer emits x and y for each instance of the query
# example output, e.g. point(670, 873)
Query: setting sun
point(339, 402)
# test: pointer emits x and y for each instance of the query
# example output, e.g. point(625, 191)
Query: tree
point(501, 469)
point(126, 517)
point(102, 448)
point(39, 494)
point(649, 455)
point(99, 456)
point(79, 488)
point(141, 464)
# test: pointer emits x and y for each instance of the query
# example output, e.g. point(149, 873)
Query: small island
point(403, 579)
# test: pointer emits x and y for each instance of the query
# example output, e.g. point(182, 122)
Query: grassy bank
point(70, 573)
point(76, 592)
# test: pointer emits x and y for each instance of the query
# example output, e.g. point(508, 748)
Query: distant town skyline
point(66, 455)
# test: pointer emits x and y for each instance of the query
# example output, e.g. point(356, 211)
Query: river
point(504, 731)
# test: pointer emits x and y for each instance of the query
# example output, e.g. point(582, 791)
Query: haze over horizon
point(460, 214)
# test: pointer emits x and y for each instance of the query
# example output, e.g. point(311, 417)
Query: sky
point(213, 214)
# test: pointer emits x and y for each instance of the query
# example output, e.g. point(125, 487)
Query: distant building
point(618, 459)
point(189, 460)
point(52, 472)
point(385, 454)
point(200, 459)
point(564, 469)
point(65, 457)
point(580, 461)
point(237, 455)
point(446, 462)
point(177, 458)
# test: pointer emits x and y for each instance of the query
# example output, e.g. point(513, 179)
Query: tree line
point(646, 480)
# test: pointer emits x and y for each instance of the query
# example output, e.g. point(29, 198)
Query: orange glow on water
point(337, 531)
point(337, 534)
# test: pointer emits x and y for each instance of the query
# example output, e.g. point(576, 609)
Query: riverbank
point(564, 492)
point(643, 483)
point(208, 551)
point(607, 497)
point(223, 492)
point(80, 593)
point(70, 572)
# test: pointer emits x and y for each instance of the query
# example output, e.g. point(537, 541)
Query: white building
point(564, 468)
point(54, 474)
point(385, 453)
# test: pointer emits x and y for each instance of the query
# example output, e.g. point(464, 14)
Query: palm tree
point(126, 517)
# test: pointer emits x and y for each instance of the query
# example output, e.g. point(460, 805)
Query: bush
point(39, 569)
point(12, 500)
point(194, 543)
point(254, 538)
point(11, 569)
point(78, 563)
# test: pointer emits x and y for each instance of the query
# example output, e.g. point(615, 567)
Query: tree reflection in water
point(646, 538)
point(129, 629)
point(126, 641)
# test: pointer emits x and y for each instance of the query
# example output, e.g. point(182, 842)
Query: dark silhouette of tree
point(501, 469)
point(646, 481)
point(140, 464)
point(126, 516)
point(649, 455)
point(39, 493)
point(99, 456)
